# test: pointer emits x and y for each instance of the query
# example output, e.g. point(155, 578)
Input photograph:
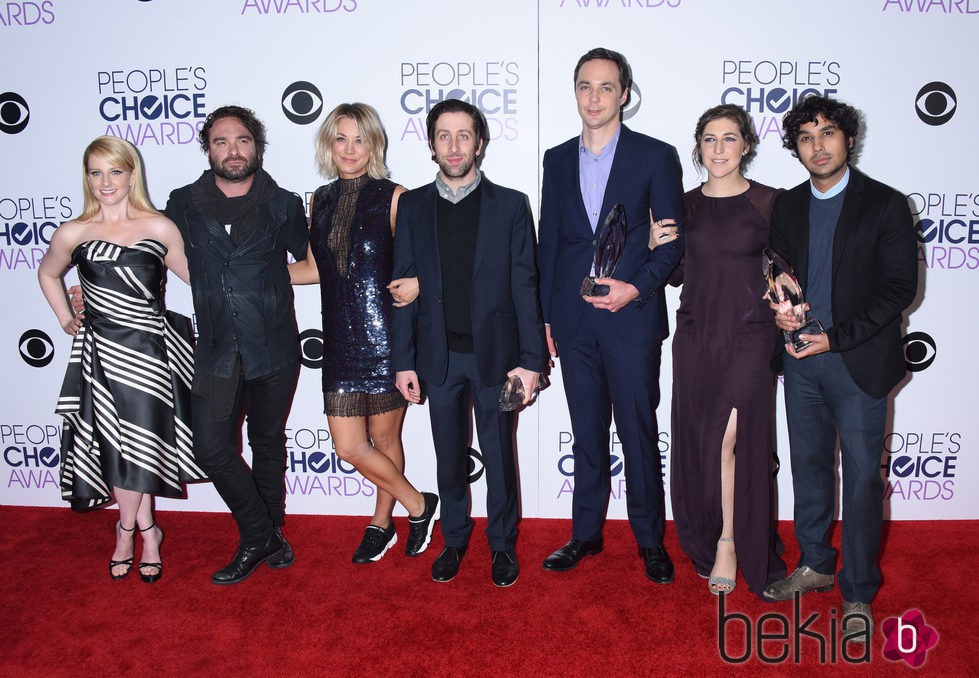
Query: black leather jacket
point(242, 297)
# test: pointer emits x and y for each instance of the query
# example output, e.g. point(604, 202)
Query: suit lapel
point(216, 230)
point(800, 234)
point(486, 225)
point(618, 174)
point(573, 169)
point(849, 217)
point(427, 236)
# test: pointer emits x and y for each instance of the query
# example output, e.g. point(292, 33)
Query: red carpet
point(63, 616)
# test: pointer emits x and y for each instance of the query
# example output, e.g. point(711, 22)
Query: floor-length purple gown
point(722, 346)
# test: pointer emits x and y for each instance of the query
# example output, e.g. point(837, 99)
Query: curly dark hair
point(807, 109)
point(480, 127)
point(247, 117)
point(625, 70)
point(740, 118)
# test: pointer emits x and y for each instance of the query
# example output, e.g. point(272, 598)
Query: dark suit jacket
point(507, 328)
point(875, 274)
point(645, 176)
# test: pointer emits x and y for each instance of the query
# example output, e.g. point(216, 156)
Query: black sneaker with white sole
point(420, 527)
point(376, 542)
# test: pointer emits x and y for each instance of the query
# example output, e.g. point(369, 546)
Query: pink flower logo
point(908, 638)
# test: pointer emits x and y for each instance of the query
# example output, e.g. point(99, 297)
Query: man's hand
point(528, 379)
point(787, 316)
point(407, 383)
point(820, 344)
point(619, 294)
point(551, 346)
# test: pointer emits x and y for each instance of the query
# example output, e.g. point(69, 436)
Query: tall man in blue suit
point(610, 346)
point(851, 242)
point(476, 323)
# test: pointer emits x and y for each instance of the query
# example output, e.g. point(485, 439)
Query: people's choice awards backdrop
point(149, 71)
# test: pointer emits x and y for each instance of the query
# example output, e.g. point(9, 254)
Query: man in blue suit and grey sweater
point(476, 323)
point(610, 346)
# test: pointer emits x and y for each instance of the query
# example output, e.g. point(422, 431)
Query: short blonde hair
point(124, 155)
point(371, 132)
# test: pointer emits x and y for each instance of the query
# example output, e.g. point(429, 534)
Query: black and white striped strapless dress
point(126, 394)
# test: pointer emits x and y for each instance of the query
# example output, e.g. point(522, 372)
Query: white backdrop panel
point(167, 64)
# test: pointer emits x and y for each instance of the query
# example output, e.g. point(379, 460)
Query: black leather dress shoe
point(446, 566)
point(285, 557)
point(247, 559)
point(659, 567)
point(568, 555)
point(505, 567)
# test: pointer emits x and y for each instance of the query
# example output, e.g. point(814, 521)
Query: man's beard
point(243, 172)
point(455, 171)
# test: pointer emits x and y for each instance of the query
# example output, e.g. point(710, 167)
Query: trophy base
point(590, 289)
point(809, 327)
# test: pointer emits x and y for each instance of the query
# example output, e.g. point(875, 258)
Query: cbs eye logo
point(475, 466)
point(302, 102)
point(311, 349)
point(935, 103)
point(919, 351)
point(36, 348)
point(14, 113)
point(633, 104)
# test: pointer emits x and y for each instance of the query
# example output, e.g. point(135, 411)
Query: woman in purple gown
point(722, 461)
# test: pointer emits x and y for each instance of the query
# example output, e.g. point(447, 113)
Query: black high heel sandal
point(155, 576)
point(128, 561)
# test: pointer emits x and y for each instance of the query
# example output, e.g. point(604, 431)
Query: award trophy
point(609, 243)
point(512, 395)
point(783, 286)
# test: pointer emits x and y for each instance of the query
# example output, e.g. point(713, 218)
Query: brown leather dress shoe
point(858, 621)
point(803, 580)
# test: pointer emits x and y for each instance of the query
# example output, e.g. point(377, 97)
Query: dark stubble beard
point(457, 171)
point(246, 170)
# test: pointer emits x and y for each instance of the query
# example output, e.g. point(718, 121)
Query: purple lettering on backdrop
point(298, 6)
point(26, 13)
point(926, 6)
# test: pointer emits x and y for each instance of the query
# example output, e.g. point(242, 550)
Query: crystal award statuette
point(609, 243)
point(783, 286)
point(512, 395)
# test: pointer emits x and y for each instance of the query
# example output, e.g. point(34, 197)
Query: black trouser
point(256, 496)
point(449, 409)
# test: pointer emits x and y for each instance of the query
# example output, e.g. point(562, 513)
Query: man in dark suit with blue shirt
point(610, 345)
point(475, 324)
point(851, 242)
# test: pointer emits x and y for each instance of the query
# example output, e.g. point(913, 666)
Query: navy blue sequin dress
point(350, 236)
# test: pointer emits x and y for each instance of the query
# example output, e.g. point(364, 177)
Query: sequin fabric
point(350, 235)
